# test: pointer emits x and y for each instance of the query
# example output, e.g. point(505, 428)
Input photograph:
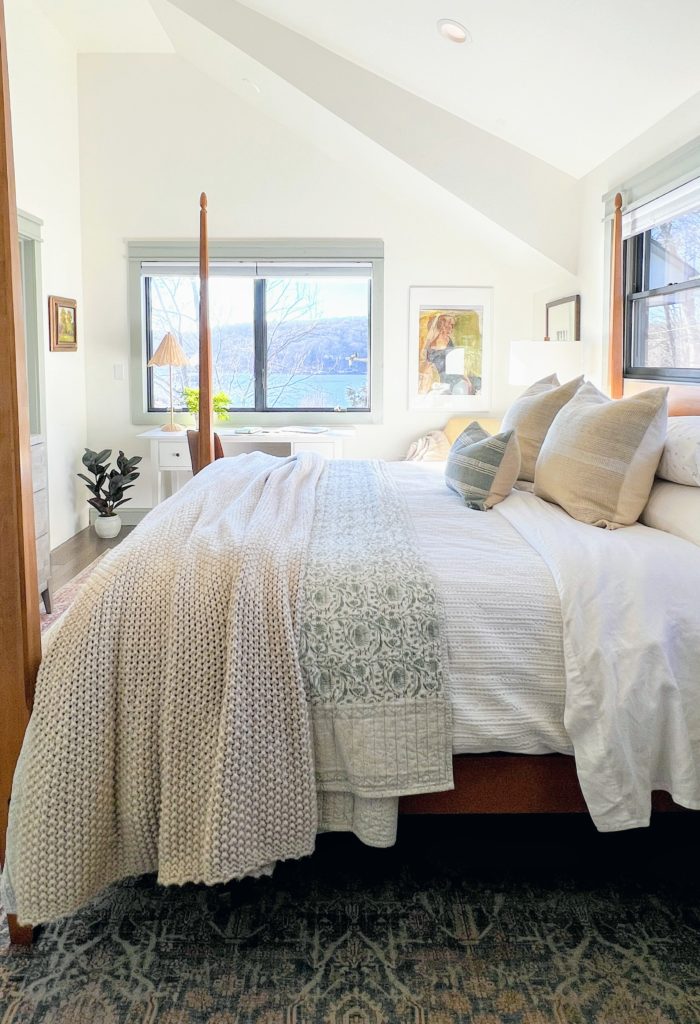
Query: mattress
point(503, 625)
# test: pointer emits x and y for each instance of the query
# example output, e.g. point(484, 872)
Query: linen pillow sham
point(481, 468)
point(674, 508)
point(531, 415)
point(680, 460)
point(599, 457)
point(432, 447)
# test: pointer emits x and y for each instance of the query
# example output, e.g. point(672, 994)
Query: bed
point(495, 676)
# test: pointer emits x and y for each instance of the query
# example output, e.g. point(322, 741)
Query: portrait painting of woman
point(449, 340)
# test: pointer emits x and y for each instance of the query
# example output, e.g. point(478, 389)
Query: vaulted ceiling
point(507, 122)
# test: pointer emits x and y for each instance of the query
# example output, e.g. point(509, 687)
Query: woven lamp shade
point(169, 353)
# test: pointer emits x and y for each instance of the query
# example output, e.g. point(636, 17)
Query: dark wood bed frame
point(484, 784)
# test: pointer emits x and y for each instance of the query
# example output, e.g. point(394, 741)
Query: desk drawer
point(325, 448)
point(174, 456)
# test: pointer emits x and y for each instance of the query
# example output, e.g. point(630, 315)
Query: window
point(662, 275)
point(288, 335)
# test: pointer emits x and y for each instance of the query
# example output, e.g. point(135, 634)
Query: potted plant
point(221, 401)
point(108, 487)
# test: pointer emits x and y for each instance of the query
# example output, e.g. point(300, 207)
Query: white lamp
point(532, 360)
point(169, 353)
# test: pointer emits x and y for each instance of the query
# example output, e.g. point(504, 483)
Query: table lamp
point(169, 353)
point(531, 360)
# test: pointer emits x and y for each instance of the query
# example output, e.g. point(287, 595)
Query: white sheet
point(503, 621)
point(630, 604)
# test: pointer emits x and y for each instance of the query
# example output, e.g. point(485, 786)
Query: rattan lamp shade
point(169, 353)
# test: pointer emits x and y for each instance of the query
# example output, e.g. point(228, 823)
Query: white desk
point(170, 453)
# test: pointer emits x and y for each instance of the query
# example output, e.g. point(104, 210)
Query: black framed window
point(662, 308)
point(285, 336)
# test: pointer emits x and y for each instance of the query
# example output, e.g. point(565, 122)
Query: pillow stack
point(531, 416)
point(674, 502)
point(599, 457)
point(481, 468)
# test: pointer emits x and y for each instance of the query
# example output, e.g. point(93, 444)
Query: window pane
point(674, 251)
point(318, 342)
point(175, 307)
point(667, 330)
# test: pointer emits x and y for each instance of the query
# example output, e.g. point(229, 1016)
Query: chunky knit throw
point(173, 728)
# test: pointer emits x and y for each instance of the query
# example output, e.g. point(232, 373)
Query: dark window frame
point(636, 264)
point(259, 358)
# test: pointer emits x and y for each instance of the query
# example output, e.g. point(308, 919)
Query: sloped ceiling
point(507, 123)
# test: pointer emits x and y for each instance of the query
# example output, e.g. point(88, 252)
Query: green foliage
point(108, 487)
point(357, 397)
point(220, 400)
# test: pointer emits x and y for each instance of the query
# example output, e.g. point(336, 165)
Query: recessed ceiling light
point(453, 30)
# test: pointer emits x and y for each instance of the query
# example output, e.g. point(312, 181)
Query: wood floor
point(71, 557)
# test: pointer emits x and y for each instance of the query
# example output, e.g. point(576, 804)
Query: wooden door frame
point(20, 640)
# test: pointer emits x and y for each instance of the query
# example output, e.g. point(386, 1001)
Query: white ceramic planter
point(108, 526)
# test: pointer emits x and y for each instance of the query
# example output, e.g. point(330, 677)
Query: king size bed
point(288, 646)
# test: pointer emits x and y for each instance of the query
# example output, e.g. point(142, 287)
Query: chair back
point(193, 442)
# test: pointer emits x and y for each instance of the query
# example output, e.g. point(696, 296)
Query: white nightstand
point(170, 453)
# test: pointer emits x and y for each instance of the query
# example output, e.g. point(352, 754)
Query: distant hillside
point(315, 346)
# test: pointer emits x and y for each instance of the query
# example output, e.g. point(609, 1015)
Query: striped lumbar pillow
point(482, 468)
point(599, 457)
point(531, 416)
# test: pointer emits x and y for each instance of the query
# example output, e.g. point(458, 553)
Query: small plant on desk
point(108, 487)
point(221, 402)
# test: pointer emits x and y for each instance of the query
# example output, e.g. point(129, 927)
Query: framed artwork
point(563, 319)
point(63, 324)
point(450, 332)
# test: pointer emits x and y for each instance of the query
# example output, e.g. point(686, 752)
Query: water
point(295, 391)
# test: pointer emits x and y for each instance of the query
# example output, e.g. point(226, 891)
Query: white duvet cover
point(563, 637)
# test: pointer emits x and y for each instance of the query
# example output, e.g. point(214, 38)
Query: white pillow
point(675, 509)
point(680, 460)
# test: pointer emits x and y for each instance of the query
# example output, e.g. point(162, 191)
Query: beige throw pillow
point(531, 415)
point(599, 457)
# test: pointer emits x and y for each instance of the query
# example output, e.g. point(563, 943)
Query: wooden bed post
point(20, 642)
point(206, 410)
point(615, 355)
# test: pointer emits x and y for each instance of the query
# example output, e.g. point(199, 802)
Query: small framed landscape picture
point(63, 324)
point(450, 348)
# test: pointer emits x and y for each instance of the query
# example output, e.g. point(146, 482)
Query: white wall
point(44, 98)
point(154, 132)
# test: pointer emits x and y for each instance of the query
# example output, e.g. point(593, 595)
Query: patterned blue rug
point(455, 924)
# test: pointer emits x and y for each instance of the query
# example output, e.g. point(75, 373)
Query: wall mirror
point(563, 319)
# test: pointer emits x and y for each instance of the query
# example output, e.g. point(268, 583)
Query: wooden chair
point(193, 442)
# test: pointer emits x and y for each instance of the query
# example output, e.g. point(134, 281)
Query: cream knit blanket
point(269, 604)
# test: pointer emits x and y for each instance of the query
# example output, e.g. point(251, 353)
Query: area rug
point(443, 929)
point(63, 598)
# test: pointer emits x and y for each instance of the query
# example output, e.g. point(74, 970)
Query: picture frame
point(63, 324)
point(450, 338)
point(563, 319)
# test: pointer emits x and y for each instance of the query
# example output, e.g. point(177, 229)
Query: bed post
point(206, 411)
point(615, 355)
point(20, 642)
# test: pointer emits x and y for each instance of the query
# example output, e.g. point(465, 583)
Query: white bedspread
point(630, 603)
point(502, 621)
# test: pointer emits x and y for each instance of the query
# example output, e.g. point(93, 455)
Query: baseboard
point(129, 517)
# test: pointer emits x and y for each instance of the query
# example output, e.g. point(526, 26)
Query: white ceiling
point(108, 26)
point(570, 81)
